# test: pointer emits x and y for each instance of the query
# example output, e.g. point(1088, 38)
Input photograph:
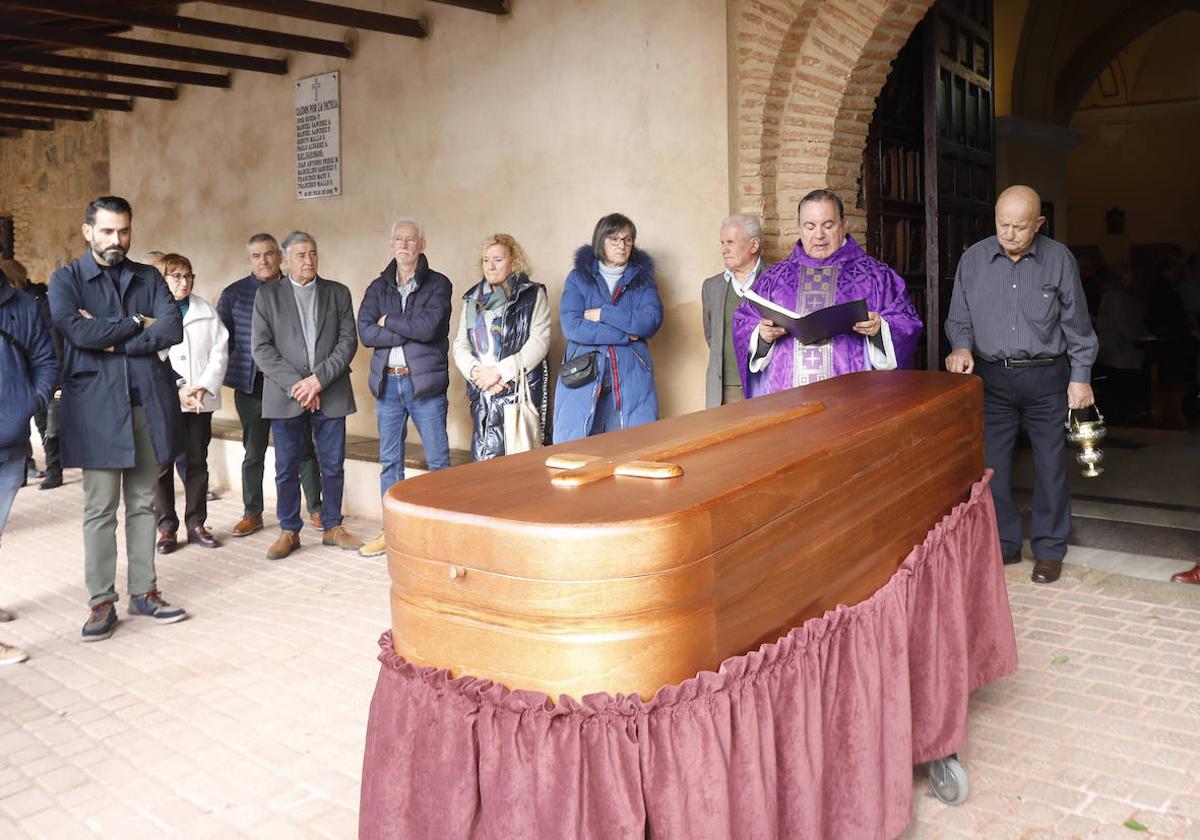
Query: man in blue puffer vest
point(28, 373)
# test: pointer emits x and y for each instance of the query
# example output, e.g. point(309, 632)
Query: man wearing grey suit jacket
point(303, 338)
point(741, 248)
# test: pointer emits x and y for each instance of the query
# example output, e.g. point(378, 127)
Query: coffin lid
point(508, 517)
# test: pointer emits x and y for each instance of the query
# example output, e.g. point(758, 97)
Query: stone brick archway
point(806, 74)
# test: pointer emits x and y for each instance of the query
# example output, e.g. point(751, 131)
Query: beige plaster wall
point(1146, 166)
point(535, 124)
point(1008, 21)
point(1035, 153)
point(1140, 147)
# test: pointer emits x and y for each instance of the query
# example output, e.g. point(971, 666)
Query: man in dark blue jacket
point(120, 416)
point(236, 308)
point(405, 316)
point(28, 372)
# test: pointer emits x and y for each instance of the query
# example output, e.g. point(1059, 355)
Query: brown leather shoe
point(285, 544)
point(166, 542)
point(343, 539)
point(247, 525)
point(314, 520)
point(202, 537)
point(1012, 558)
point(1046, 571)
point(1192, 575)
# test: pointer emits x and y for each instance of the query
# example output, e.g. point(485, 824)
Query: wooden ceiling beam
point(63, 37)
point(43, 111)
point(32, 125)
point(114, 68)
point(86, 83)
point(110, 12)
point(331, 13)
point(45, 97)
point(494, 7)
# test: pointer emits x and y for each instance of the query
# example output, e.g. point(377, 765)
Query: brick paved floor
point(1099, 726)
point(248, 719)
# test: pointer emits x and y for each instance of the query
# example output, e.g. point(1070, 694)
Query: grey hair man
point(303, 339)
point(236, 309)
point(741, 251)
point(405, 317)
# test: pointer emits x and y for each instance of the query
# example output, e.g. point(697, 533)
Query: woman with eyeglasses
point(504, 332)
point(610, 308)
point(199, 363)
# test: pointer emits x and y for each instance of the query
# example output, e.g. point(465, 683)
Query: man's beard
point(109, 256)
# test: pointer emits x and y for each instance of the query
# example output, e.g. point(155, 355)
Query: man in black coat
point(120, 417)
point(405, 316)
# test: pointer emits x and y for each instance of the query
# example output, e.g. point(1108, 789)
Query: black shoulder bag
point(578, 371)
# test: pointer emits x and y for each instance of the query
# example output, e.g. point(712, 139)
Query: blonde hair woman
point(504, 330)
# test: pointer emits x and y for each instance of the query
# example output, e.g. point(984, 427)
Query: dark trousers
point(1034, 398)
point(197, 435)
point(329, 436)
point(256, 435)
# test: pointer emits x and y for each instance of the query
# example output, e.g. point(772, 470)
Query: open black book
point(814, 327)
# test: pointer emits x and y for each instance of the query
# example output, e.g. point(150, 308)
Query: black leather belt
point(396, 371)
point(1023, 363)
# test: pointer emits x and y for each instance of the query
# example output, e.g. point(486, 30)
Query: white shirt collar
point(730, 277)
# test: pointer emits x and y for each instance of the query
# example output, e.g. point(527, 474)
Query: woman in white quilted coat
point(199, 362)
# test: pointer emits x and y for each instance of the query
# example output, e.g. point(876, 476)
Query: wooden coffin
point(581, 581)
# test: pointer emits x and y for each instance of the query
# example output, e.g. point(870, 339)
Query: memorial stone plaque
point(318, 137)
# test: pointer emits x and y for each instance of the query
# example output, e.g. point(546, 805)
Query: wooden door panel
point(935, 122)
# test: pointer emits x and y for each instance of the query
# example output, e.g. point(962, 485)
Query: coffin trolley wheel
point(948, 778)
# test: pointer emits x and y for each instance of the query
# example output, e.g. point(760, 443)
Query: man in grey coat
point(741, 249)
point(303, 337)
point(120, 418)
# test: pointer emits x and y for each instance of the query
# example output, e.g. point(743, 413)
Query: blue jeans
point(329, 440)
point(395, 405)
point(12, 473)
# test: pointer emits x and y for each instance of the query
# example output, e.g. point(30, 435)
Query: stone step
point(1131, 526)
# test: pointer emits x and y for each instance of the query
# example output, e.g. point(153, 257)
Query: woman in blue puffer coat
point(610, 308)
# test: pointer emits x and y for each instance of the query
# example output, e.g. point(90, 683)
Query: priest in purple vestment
point(827, 267)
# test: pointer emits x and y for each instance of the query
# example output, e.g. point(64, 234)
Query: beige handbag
point(522, 420)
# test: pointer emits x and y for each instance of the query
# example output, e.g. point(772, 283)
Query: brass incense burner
point(1087, 434)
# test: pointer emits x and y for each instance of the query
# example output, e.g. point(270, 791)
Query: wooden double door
point(928, 182)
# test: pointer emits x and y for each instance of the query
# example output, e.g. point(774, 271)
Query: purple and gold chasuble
point(804, 285)
point(817, 290)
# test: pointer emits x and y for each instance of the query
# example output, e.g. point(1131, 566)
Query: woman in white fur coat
point(199, 362)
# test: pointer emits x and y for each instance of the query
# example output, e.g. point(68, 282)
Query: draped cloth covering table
point(813, 736)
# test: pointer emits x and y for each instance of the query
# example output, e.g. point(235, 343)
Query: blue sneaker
point(153, 606)
point(100, 623)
